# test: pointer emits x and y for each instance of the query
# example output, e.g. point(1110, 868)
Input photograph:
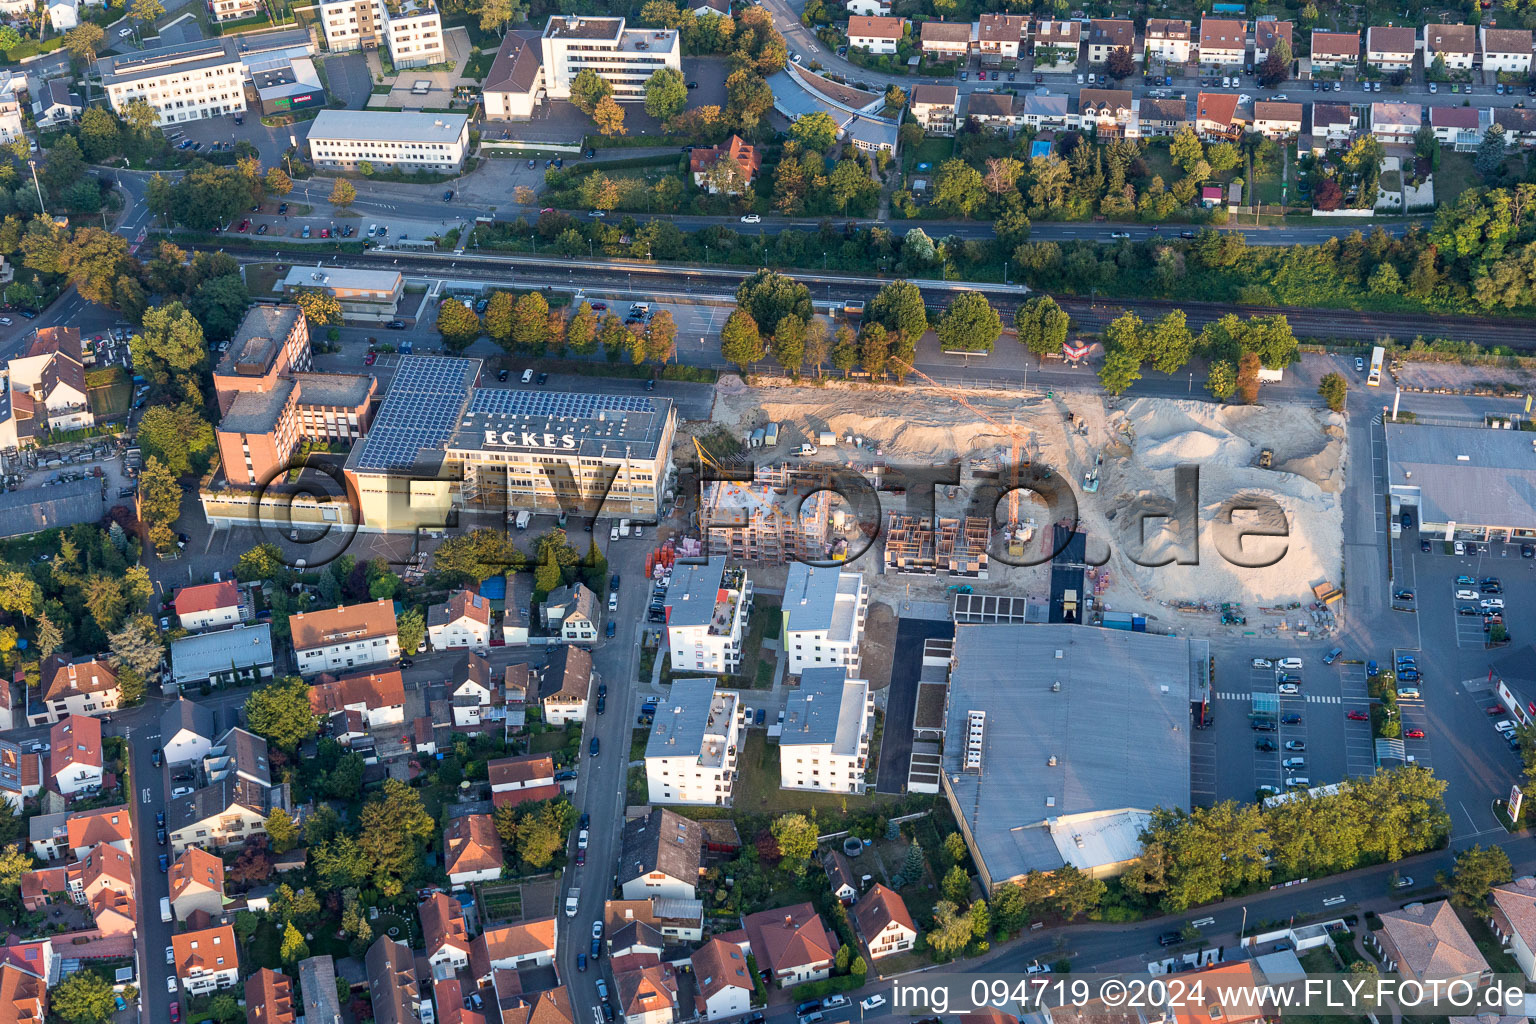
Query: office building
point(184, 82)
point(363, 294)
point(411, 31)
point(389, 139)
point(622, 57)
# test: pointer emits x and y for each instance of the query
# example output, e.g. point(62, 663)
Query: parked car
point(1297, 745)
point(1414, 734)
point(1332, 656)
point(1358, 716)
point(592, 747)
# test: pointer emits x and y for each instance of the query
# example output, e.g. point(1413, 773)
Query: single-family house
point(186, 731)
point(1390, 48)
point(570, 612)
point(1334, 50)
point(14, 767)
point(1427, 940)
point(665, 920)
point(57, 105)
point(206, 960)
point(1043, 112)
point(444, 933)
point(1277, 119)
point(1396, 122)
point(352, 636)
point(510, 946)
point(1223, 42)
point(238, 655)
point(720, 8)
point(934, 107)
point(464, 620)
point(1333, 126)
point(471, 850)
point(197, 883)
point(209, 606)
point(84, 687)
point(44, 887)
point(269, 998)
point(473, 691)
point(645, 990)
point(222, 815)
point(103, 867)
point(999, 37)
point(1106, 35)
point(1169, 40)
point(875, 34)
point(378, 696)
point(722, 980)
point(729, 167)
point(791, 943)
point(1518, 123)
point(660, 856)
point(1462, 127)
point(1268, 34)
point(1057, 43)
point(565, 684)
point(1455, 45)
point(106, 826)
point(516, 780)
point(882, 921)
point(946, 40)
point(1109, 112)
point(840, 878)
point(75, 763)
point(1506, 49)
point(1216, 116)
point(317, 983)
point(1159, 116)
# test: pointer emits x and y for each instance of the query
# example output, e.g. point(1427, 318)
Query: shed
point(771, 435)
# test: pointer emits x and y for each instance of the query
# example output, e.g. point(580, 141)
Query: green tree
point(394, 825)
point(1042, 326)
point(1334, 389)
point(817, 345)
point(343, 193)
point(84, 997)
point(412, 629)
point(49, 637)
point(83, 43)
point(1488, 161)
point(224, 1009)
point(845, 350)
point(546, 575)
point(145, 11)
point(457, 323)
point(137, 645)
point(1121, 369)
point(796, 839)
point(262, 562)
point(159, 503)
point(278, 183)
point(954, 846)
point(951, 931)
point(1475, 872)
point(581, 332)
point(280, 713)
point(1221, 380)
point(899, 306)
point(1185, 149)
point(530, 320)
point(958, 188)
point(970, 324)
point(956, 886)
point(815, 131)
point(912, 864)
point(587, 88)
point(770, 297)
point(99, 133)
point(293, 948)
point(1172, 343)
point(608, 116)
point(179, 436)
point(740, 342)
point(789, 344)
point(666, 94)
point(498, 318)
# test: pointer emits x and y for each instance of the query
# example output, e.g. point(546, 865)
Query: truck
point(165, 908)
point(572, 898)
point(803, 450)
point(523, 519)
point(623, 527)
point(1069, 604)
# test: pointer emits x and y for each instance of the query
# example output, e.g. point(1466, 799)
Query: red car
point(598, 307)
point(1414, 734)
point(372, 358)
point(245, 225)
point(1358, 716)
point(1495, 709)
point(175, 1013)
point(325, 232)
point(548, 209)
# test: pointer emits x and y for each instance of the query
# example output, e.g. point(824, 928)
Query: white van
point(527, 376)
point(1289, 664)
point(1298, 782)
point(523, 519)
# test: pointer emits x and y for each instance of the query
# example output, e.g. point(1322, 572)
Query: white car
point(613, 601)
point(1359, 365)
point(170, 954)
point(124, 33)
point(170, 984)
point(5, 320)
point(1289, 664)
point(751, 218)
point(1466, 595)
point(874, 1002)
point(1298, 782)
point(1505, 726)
point(1293, 762)
point(1289, 689)
point(1493, 602)
point(1263, 663)
point(581, 839)
point(180, 791)
point(1461, 548)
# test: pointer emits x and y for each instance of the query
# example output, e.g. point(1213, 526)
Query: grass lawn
point(637, 744)
point(479, 65)
point(1266, 188)
point(110, 401)
point(1319, 961)
point(266, 944)
point(930, 151)
point(1391, 181)
point(1159, 164)
point(261, 279)
point(757, 791)
point(547, 742)
point(765, 621)
point(393, 925)
point(1498, 958)
point(764, 678)
point(1456, 175)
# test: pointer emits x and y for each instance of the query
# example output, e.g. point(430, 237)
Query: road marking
point(1203, 922)
point(1333, 901)
point(146, 794)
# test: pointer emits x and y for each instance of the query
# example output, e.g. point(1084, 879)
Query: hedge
point(817, 989)
point(33, 47)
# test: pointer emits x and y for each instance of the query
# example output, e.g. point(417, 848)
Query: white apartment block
point(235, 10)
point(352, 636)
point(182, 83)
point(624, 58)
point(342, 139)
point(412, 31)
point(825, 743)
point(707, 606)
point(824, 610)
point(690, 754)
point(1169, 40)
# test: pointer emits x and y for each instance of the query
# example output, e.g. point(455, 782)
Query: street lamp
point(33, 164)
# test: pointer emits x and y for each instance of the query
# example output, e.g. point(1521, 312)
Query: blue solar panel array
point(421, 410)
point(511, 402)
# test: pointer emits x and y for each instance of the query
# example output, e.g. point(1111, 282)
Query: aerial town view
point(1018, 519)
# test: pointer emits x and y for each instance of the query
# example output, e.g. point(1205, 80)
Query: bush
point(817, 989)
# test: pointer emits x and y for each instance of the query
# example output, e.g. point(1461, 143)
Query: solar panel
point(420, 411)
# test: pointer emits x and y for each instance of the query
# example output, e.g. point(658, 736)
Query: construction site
point(1261, 532)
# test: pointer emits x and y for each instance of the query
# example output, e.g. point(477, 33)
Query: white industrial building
point(182, 83)
point(825, 742)
point(691, 749)
point(622, 57)
point(343, 139)
point(707, 607)
point(824, 609)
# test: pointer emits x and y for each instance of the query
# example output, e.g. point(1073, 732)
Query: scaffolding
point(919, 544)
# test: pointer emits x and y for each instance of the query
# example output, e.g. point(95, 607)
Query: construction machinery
point(1266, 458)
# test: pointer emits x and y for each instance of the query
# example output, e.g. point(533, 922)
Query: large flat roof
point(424, 402)
point(691, 593)
point(1117, 725)
point(258, 340)
point(692, 721)
point(821, 599)
point(196, 658)
point(594, 426)
point(117, 69)
point(829, 709)
point(387, 126)
point(1473, 475)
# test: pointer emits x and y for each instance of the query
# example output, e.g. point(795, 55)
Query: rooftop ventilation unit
point(975, 728)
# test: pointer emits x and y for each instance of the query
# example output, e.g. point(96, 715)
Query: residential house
point(1109, 112)
point(351, 636)
point(1506, 49)
point(514, 83)
point(565, 684)
point(840, 877)
point(474, 691)
point(552, 1006)
point(392, 987)
point(378, 696)
point(660, 856)
point(1456, 45)
point(882, 921)
point(690, 754)
point(269, 998)
point(197, 884)
point(1223, 42)
point(1519, 125)
point(1106, 35)
point(510, 946)
point(869, 8)
point(999, 37)
point(993, 111)
point(444, 933)
point(722, 981)
point(103, 867)
point(471, 850)
point(516, 780)
point(75, 762)
point(224, 814)
point(720, 8)
point(825, 606)
point(1266, 34)
point(570, 613)
point(85, 687)
point(14, 766)
point(1427, 940)
point(48, 834)
point(934, 108)
point(1225, 993)
point(44, 887)
point(1216, 116)
point(1057, 44)
point(186, 731)
point(1390, 48)
point(1396, 122)
point(634, 938)
point(1333, 126)
point(875, 34)
point(52, 374)
point(673, 921)
point(946, 40)
point(645, 990)
point(729, 167)
point(7, 705)
point(1169, 40)
point(464, 620)
point(791, 944)
point(207, 960)
point(240, 655)
point(106, 826)
point(317, 982)
point(239, 754)
point(1045, 112)
point(1277, 119)
point(24, 987)
point(1460, 126)
point(707, 607)
point(1333, 51)
point(1162, 116)
point(824, 745)
point(208, 606)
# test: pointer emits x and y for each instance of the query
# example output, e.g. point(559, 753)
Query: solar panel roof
point(421, 411)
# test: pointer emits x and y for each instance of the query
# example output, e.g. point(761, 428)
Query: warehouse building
point(1464, 483)
point(1060, 740)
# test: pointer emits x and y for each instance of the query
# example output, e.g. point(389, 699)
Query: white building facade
point(707, 608)
point(412, 31)
point(824, 610)
point(186, 82)
point(690, 754)
point(622, 57)
point(825, 742)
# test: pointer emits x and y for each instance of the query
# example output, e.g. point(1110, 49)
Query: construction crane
point(1016, 537)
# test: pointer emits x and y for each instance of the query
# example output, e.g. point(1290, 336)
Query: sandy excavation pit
point(1137, 448)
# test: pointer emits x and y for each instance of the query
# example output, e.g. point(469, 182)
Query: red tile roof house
point(875, 34)
point(378, 696)
point(1513, 920)
point(1390, 48)
point(791, 943)
point(105, 867)
point(1223, 42)
point(208, 606)
point(645, 989)
point(721, 979)
point(197, 883)
point(516, 780)
point(23, 993)
point(1216, 116)
point(206, 960)
point(1427, 940)
point(44, 887)
point(1266, 34)
point(464, 620)
point(472, 850)
point(444, 934)
point(74, 761)
point(269, 998)
point(702, 162)
point(1335, 50)
point(85, 687)
point(348, 637)
point(530, 942)
point(883, 922)
point(1461, 126)
point(85, 830)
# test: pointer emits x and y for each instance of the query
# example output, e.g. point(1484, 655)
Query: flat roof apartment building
point(413, 30)
point(622, 57)
point(185, 82)
point(342, 139)
point(706, 616)
point(825, 742)
point(690, 752)
point(824, 609)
